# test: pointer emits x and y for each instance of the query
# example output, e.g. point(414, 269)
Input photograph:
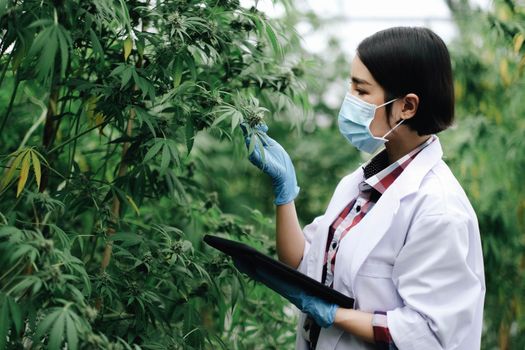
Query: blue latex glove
point(321, 311)
point(276, 163)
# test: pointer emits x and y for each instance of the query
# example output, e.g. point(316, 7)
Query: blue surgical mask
point(354, 121)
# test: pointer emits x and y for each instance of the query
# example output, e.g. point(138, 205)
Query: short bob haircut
point(415, 60)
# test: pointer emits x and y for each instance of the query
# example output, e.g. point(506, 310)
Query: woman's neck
point(403, 143)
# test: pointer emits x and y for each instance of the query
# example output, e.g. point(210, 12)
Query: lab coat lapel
point(374, 225)
point(342, 196)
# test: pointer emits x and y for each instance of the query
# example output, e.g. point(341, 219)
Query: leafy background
point(121, 148)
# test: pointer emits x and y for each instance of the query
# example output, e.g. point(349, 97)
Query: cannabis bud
point(255, 118)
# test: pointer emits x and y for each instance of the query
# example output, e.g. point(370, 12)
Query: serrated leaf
point(9, 175)
point(190, 134)
point(219, 119)
point(36, 167)
point(57, 332)
point(95, 43)
point(16, 314)
point(152, 152)
point(177, 73)
point(274, 42)
point(128, 45)
point(119, 69)
point(174, 152)
point(236, 119)
point(45, 324)
point(24, 173)
point(191, 65)
point(41, 22)
point(64, 40)
point(71, 332)
point(165, 159)
point(126, 76)
point(133, 204)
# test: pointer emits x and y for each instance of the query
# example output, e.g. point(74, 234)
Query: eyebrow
point(360, 81)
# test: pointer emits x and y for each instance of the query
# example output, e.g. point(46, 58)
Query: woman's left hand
point(321, 311)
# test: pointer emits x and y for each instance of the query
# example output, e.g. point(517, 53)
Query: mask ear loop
point(384, 104)
point(394, 128)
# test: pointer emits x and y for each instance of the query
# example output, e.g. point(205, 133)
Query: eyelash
point(359, 91)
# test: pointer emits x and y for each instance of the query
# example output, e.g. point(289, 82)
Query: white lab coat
point(416, 255)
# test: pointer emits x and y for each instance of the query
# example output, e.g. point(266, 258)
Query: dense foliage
point(486, 151)
point(103, 206)
point(121, 148)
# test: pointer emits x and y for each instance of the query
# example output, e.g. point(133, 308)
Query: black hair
point(415, 60)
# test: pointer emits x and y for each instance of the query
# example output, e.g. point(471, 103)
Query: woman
point(399, 234)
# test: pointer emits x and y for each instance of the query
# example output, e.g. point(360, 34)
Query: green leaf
point(36, 167)
point(128, 45)
point(177, 73)
point(174, 152)
point(24, 173)
point(118, 70)
point(144, 116)
point(133, 204)
point(57, 332)
point(4, 322)
point(65, 41)
point(95, 43)
point(72, 334)
point(126, 76)
point(41, 23)
point(3, 7)
point(272, 37)
point(152, 152)
point(165, 160)
point(45, 324)
point(16, 314)
point(128, 238)
point(190, 62)
point(9, 175)
point(190, 133)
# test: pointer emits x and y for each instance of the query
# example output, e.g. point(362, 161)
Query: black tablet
point(252, 257)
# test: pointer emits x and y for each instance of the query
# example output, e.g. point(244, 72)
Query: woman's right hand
point(276, 163)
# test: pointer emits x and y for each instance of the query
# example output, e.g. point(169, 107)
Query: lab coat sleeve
point(439, 289)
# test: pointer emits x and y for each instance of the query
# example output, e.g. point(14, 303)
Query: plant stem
point(115, 207)
point(10, 106)
point(54, 149)
point(5, 69)
point(49, 131)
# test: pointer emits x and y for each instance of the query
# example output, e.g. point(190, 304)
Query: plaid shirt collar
point(380, 175)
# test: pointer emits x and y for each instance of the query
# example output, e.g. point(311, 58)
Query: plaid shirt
point(378, 177)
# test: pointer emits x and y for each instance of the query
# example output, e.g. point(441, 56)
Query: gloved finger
point(321, 311)
point(262, 127)
point(255, 157)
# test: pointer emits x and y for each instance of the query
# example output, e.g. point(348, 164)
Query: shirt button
point(357, 208)
point(334, 245)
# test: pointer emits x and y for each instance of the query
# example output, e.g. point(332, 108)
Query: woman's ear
point(410, 104)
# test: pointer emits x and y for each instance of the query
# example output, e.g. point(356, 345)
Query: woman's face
point(366, 88)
